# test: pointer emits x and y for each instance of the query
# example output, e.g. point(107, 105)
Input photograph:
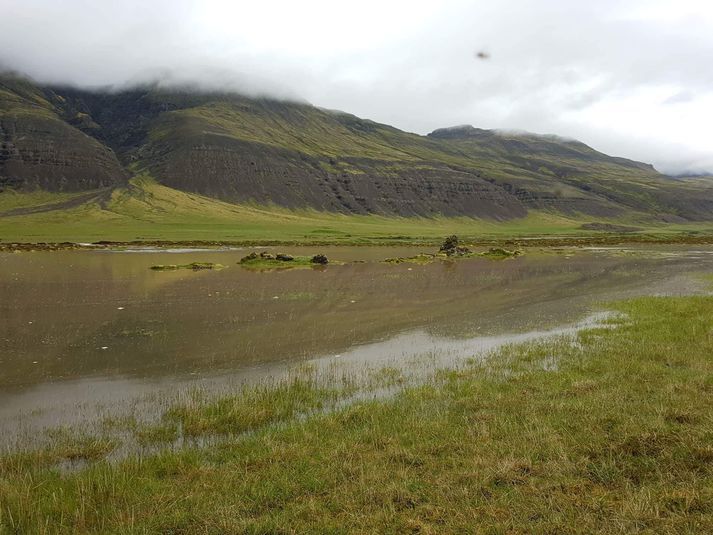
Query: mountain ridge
point(239, 149)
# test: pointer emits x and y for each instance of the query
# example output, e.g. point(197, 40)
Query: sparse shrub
point(449, 244)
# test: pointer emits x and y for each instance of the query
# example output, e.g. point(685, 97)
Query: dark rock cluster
point(451, 248)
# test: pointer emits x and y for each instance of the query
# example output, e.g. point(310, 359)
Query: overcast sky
point(631, 78)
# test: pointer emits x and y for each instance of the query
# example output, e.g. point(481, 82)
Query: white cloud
point(632, 78)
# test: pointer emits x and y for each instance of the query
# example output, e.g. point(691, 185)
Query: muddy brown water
point(98, 327)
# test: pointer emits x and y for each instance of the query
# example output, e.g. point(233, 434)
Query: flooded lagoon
point(87, 329)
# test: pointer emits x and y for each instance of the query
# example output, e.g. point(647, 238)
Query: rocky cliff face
point(296, 155)
point(237, 170)
point(48, 154)
point(38, 149)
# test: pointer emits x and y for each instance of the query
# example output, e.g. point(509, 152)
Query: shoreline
point(519, 241)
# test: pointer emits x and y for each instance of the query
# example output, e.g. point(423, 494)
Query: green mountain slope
point(579, 175)
point(298, 156)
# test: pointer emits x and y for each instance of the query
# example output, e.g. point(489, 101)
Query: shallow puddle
point(85, 331)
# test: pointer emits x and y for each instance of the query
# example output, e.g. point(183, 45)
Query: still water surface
point(83, 327)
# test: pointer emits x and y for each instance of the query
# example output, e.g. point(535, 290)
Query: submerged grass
point(195, 266)
point(494, 253)
point(253, 408)
point(269, 262)
point(611, 434)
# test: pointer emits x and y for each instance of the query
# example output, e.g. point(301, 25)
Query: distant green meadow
point(147, 211)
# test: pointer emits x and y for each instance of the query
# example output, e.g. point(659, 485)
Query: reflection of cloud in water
point(416, 355)
point(409, 348)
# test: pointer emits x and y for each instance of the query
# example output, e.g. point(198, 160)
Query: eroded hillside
point(296, 155)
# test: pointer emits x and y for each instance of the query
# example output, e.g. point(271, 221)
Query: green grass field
point(612, 434)
point(147, 211)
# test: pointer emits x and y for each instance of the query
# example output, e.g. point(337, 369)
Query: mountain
point(40, 149)
point(296, 155)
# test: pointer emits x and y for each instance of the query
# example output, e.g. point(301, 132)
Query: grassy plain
point(149, 212)
point(610, 432)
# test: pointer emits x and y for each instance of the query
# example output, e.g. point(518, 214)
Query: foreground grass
point(612, 434)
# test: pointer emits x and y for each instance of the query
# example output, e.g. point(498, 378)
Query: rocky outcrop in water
point(451, 247)
point(320, 259)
